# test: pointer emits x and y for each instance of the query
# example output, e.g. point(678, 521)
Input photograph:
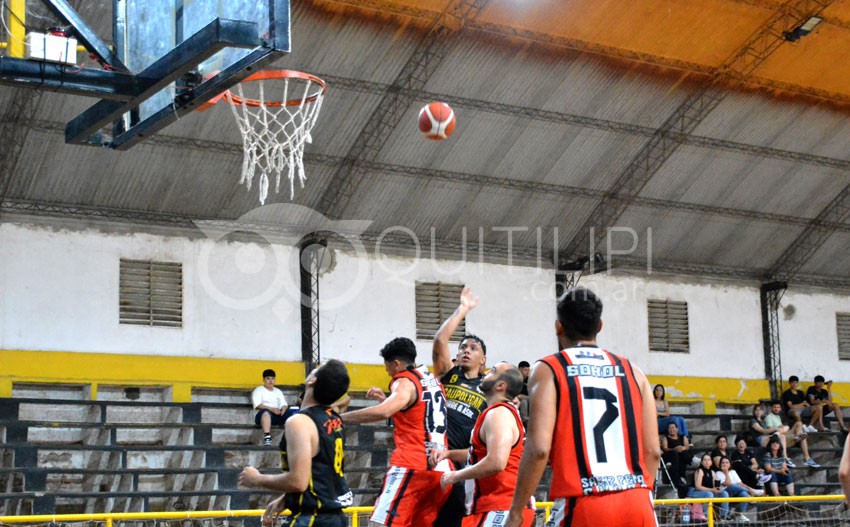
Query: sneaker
point(790, 463)
point(743, 518)
point(267, 440)
point(811, 463)
point(764, 478)
point(810, 429)
point(800, 437)
point(758, 492)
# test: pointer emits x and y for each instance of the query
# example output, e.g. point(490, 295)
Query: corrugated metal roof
point(556, 105)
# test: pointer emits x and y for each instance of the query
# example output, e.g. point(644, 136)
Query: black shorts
point(277, 420)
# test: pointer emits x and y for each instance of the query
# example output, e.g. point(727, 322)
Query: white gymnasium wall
point(59, 291)
point(724, 322)
point(515, 316)
point(808, 336)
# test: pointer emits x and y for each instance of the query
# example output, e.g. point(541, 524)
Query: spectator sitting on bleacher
point(762, 433)
point(270, 405)
point(706, 485)
point(731, 482)
point(662, 408)
point(817, 395)
point(794, 433)
point(676, 455)
point(774, 463)
point(746, 465)
point(721, 449)
point(797, 408)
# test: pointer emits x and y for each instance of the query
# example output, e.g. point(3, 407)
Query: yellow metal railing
point(356, 512)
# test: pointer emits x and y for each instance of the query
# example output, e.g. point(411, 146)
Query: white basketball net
point(274, 132)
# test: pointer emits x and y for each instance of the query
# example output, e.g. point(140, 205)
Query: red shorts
point(497, 518)
point(409, 498)
point(628, 508)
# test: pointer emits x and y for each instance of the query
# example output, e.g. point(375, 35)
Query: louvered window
point(435, 302)
point(151, 293)
point(842, 322)
point(668, 326)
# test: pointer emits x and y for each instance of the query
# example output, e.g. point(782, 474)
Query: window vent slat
point(435, 302)
point(150, 293)
point(842, 323)
point(668, 326)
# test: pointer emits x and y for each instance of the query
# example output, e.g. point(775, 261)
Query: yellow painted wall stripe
point(181, 373)
point(184, 373)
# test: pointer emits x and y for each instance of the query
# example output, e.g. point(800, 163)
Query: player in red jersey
point(411, 495)
point(498, 440)
point(607, 451)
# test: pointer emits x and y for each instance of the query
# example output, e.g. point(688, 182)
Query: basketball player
point(465, 402)
point(313, 482)
point(411, 495)
point(602, 438)
point(498, 440)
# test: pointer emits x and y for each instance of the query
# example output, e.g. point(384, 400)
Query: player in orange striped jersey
point(498, 439)
point(411, 495)
point(607, 451)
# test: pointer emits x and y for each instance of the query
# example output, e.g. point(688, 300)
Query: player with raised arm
point(607, 452)
point(498, 439)
point(313, 480)
point(411, 495)
point(465, 401)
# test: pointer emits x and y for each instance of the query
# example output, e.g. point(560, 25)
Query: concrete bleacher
point(133, 451)
point(730, 419)
point(74, 455)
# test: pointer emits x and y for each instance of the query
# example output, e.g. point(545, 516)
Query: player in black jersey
point(313, 482)
point(465, 402)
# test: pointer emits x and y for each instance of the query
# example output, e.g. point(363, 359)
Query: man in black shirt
point(797, 408)
point(465, 402)
point(313, 482)
point(817, 395)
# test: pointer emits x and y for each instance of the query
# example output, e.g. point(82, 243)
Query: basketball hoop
point(275, 120)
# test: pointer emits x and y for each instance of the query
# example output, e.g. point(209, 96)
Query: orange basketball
point(437, 121)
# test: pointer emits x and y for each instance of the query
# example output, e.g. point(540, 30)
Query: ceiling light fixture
point(803, 29)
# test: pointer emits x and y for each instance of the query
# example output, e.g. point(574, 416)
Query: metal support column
point(311, 254)
point(771, 294)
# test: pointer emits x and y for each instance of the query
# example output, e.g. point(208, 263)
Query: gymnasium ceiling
point(696, 120)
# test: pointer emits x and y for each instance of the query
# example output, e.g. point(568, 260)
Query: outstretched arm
point(441, 355)
point(302, 444)
point(403, 394)
point(538, 441)
point(499, 431)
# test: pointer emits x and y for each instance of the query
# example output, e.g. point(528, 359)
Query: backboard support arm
point(189, 102)
point(88, 82)
point(217, 35)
